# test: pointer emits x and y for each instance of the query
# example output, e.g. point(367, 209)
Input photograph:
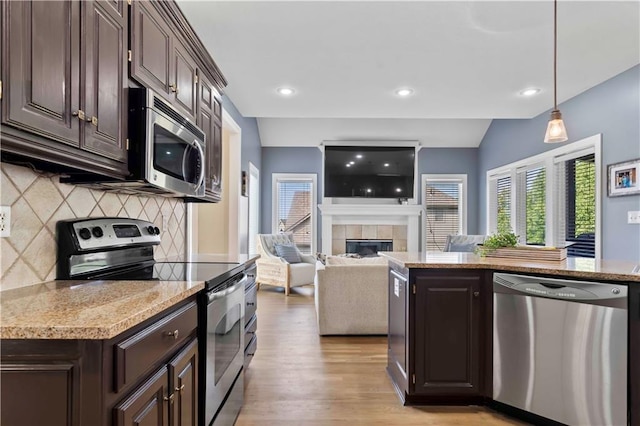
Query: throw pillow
point(288, 252)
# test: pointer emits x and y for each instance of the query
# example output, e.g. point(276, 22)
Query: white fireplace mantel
point(371, 214)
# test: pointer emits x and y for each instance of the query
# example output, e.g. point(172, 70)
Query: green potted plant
point(496, 241)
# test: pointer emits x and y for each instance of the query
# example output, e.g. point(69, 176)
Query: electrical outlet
point(633, 217)
point(5, 221)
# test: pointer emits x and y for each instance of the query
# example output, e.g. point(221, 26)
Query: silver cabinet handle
point(173, 334)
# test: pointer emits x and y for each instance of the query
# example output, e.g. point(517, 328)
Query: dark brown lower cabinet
point(634, 354)
point(78, 382)
point(440, 335)
point(447, 335)
point(170, 393)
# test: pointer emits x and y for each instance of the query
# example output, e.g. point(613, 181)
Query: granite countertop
point(86, 309)
point(212, 258)
point(613, 270)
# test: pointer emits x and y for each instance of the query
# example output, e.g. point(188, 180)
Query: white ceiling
point(466, 61)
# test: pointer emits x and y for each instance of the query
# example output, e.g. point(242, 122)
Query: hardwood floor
point(300, 378)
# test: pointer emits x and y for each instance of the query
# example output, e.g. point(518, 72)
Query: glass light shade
point(556, 132)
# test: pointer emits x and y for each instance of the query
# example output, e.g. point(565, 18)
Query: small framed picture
point(622, 178)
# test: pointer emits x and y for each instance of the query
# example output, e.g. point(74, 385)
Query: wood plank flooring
point(300, 378)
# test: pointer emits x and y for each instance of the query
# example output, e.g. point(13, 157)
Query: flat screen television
point(371, 172)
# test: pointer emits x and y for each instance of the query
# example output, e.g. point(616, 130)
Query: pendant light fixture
point(556, 132)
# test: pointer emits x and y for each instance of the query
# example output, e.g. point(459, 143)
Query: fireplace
point(368, 247)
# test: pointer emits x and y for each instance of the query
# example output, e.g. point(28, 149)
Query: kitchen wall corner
point(39, 200)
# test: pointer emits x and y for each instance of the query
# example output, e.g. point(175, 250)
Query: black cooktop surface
point(212, 273)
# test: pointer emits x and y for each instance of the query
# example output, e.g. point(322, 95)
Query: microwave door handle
point(202, 169)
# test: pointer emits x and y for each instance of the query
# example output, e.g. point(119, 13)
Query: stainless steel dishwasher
point(560, 348)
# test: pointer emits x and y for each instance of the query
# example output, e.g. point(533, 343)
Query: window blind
point(443, 211)
point(294, 211)
point(503, 204)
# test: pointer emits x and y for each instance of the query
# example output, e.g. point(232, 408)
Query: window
point(577, 187)
point(550, 199)
point(294, 207)
point(531, 212)
point(444, 200)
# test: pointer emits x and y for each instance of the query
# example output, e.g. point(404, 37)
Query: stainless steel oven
point(224, 351)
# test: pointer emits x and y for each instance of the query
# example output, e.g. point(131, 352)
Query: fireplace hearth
point(368, 247)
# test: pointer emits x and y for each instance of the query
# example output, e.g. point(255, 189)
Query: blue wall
point(309, 160)
point(454, 161)
point(288, 160)
point(612, 109)
point(251, 148)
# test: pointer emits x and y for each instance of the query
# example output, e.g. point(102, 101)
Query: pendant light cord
point(555, 53)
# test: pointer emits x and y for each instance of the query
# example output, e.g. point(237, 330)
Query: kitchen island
point(441, 322)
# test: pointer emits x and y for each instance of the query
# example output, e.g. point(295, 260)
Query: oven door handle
point(215, 295)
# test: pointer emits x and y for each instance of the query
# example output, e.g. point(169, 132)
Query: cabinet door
point(183, 372)
point(210, 121)
point(447, 326)
point(184, 86)
point(146, 406)
point(634, 354)
point(42, 68)
point(105, 103)
point(151, 47)
point(39, 394)
point(396, 347)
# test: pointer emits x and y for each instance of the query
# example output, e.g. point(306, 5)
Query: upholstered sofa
point(352, 296)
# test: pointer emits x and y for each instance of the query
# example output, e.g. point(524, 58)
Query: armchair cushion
point(301, 274)
point(288, 252)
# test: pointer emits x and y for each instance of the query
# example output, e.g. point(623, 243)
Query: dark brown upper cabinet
point(184, 79)
point(64, 78)
point(105, 92)
point(210, 121)
point(159, 59)
point(151, 48)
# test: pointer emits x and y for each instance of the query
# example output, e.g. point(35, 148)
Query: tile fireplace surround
point(400, 223)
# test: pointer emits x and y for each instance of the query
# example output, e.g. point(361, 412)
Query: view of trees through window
point(580, 222)
point(442, 211)
point(536, 206)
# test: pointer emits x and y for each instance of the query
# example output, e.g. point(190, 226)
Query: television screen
point(372, 172)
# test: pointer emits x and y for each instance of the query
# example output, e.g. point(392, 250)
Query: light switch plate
point(633, 217)
point(5, 221)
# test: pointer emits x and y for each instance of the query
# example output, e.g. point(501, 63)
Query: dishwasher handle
point(612, 295)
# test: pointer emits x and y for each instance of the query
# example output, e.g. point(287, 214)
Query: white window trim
point(463, 201)
point(591, 144)
point(275, 177)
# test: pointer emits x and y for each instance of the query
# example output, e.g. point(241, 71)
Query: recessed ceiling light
point(359, 156)
point(398, 189)
point(348, 165)
point(368, 189)
point(386, 164)
point(352, 162)
point(530, 92)
point(404, 92)
point(286, 91)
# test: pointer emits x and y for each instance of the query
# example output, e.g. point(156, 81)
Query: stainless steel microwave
point(166, 154)
point(166, 149)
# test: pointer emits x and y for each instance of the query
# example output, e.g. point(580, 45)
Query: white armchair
point(274, 270)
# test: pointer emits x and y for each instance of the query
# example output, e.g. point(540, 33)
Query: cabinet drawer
point(250, 351)
point(250, 330)
point(140, 352)
point(251, 302)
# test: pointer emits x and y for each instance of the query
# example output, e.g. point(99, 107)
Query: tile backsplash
point(39, 200)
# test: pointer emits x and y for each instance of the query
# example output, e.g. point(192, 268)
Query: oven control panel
point(109, 232)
